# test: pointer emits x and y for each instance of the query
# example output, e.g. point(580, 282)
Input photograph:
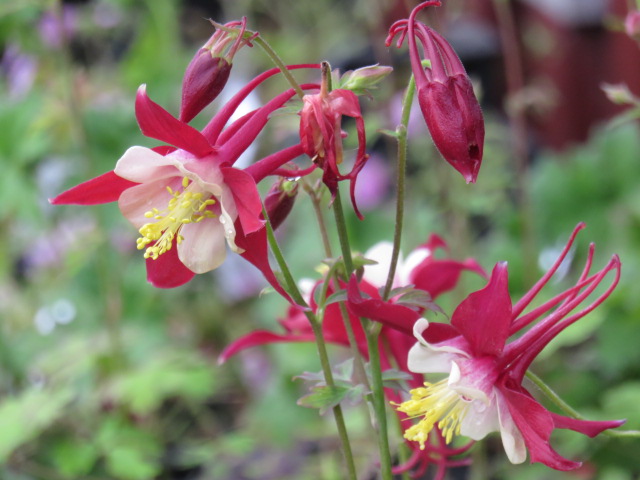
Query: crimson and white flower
point(483, 391)
point(187, 199)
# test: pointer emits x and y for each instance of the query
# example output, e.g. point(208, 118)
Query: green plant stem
point(317, 209)
point(377, 398)
point(570, 411)
point(279, 63)
point(316, 326)
point(401, 133)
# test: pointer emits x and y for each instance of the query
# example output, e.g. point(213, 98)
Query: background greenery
point(104, 377)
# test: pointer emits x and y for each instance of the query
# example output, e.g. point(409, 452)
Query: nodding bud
point(445, 94)
point(209, 69)
point(279, 201)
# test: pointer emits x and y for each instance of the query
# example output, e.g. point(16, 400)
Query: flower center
point(436, 403)
point(187, 206)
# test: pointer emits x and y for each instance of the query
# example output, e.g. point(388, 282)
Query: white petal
point(228, 229)
point(422, 359)
point(420, 326)
point(376, 275)
point(512, 439)
point(140, 164)
point(135, 201)
point(481, 419)
point(203, 248)
point(414, 259)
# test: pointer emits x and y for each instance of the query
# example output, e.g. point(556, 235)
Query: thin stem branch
point(570, 411)
point(316, 326)
point(279, 63)
point(377, 398)
point(401, 133)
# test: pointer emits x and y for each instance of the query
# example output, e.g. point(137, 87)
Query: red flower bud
point(449, 106)
point(208, 71)
point(279, 201)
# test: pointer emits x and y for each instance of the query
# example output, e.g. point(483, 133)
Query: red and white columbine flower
point(483, 391)
point(186, 199)
point(422, 268)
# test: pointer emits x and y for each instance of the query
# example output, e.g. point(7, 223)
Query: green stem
point(401, 133)
point(317, 209)
point(316, 326)
point(379, 406)
point(279, 63)
point(378, 400)
point(570, 411)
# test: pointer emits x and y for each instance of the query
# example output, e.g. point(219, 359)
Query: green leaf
point(129, 463)
point(73, 458)
point(26, 416)
point(324, 397)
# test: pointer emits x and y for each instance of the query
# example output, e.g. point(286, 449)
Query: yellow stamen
point(437, 404)
point(187, 206)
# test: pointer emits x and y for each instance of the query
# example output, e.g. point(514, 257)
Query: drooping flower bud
point(209, 69)
point(445, 94)
point(279, 201)
point(321, 134)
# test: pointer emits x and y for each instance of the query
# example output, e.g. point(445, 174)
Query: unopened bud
point(365, 78)
point(209, 69)
point(203, 81)
point(279, 201)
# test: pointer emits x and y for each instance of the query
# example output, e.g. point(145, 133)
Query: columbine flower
point(321, 134)
point(187, 200)
point(445, 94)
point(422, 268)
point(483, 391)
point(209, 69)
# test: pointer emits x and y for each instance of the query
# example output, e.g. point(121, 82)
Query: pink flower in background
point(483, 391)
point(445, 94)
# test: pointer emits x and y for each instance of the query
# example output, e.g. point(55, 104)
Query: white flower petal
point(512, 438)
point(203, 248)
point(414, 259)
point(420, 326)
point(229, 230)
point(480, 420)
point(376, 275)
point(424, 359)
point(142, 165)
point(134, 202)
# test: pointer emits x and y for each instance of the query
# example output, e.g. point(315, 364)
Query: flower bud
point(365, 78)
point(279, 201)
point(321, 134)
point(209, 69)
point(445, 94)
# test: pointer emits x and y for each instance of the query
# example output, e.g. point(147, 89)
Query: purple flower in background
point(55, 28)
point(19, 69)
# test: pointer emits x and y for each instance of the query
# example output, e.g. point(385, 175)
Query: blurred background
point(104, 377)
